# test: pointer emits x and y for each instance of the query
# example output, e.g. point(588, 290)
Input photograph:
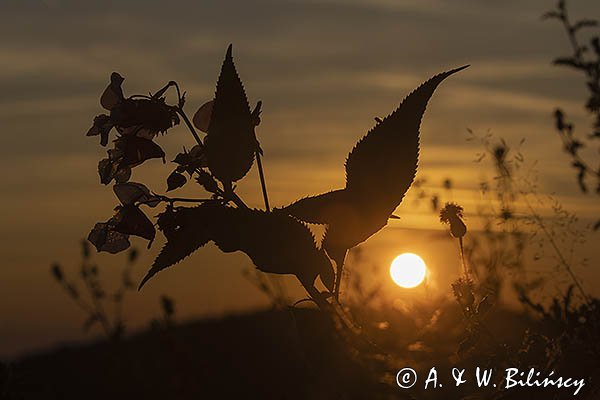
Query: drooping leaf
point(275, 243)
point(106, 171)
point(133, 192)
point(175, 180)
point(231, 142)
point(136, 150)
point(130, 220)
point(102, 126)
point(105, 238)
point(202, 117)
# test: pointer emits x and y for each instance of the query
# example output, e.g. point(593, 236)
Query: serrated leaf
point(320, 209)
point(384, 162)
point(275, 243)
point(230, 143)
point(186, 229)
point(379, 171)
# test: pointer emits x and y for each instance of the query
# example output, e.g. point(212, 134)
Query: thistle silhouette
point(379, 170)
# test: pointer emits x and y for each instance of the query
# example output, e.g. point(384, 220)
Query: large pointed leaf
point(384, 162)
point(230, 143)
point(275, 243)
point(379, 171)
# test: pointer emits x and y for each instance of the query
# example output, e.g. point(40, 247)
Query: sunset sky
point(323, 69)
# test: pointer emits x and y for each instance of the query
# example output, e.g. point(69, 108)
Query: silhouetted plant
point(584, 59)
point(463, 288)
point(379, 170)
point(166, 320)
point(91, 296)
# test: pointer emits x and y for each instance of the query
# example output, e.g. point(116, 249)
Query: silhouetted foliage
point(93, 299)
point(101, 307)
point(585, 59)
point(379, 170)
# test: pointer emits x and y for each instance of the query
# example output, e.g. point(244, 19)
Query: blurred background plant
point(585, 60)
point(101, 308)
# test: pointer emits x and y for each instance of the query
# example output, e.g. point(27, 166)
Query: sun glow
point(408, 270)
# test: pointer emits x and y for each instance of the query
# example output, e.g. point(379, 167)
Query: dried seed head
point(452, 215)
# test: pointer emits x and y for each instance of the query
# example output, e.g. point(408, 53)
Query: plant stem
point(229, 194)
point(97, 304)
point(262, 181)
point(462, 257)
point(189, 125)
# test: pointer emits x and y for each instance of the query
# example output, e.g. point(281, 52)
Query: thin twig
point(189, 125)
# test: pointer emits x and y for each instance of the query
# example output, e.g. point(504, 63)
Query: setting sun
point(408, 270)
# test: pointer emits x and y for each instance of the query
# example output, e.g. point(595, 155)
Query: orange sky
point(323, 70)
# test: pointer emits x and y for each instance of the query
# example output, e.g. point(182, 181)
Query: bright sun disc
point(408, 270)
